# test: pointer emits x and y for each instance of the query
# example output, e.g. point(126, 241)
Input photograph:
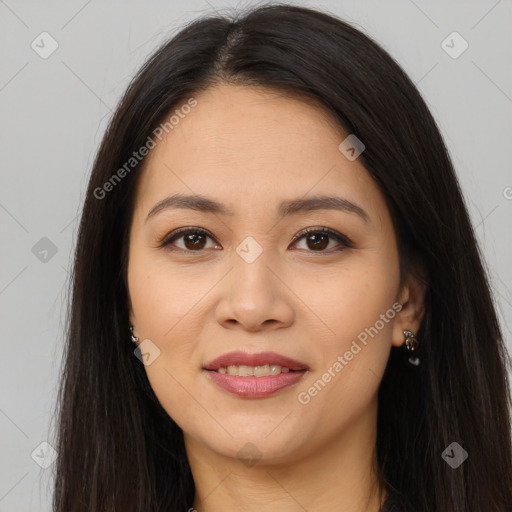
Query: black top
point(396, 503)
point(390, 505)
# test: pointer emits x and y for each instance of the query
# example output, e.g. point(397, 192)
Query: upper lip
point(239, 358)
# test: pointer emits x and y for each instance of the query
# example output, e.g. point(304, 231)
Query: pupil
point(195, 241)
point(317, 243)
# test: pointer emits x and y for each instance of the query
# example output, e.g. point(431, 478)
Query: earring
point(410, 340)
point(411, 344)
point(135, 340)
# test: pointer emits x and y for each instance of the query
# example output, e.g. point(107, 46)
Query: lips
point(239, 358)
point(254, 375)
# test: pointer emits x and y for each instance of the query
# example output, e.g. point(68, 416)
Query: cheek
point(162, 298)
point(356, 304)
point(351, 297)
point(166, 309)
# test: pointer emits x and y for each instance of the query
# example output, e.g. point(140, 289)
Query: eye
point(193, 239)
point(317, 239)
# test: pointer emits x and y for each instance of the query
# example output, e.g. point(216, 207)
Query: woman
point(278, 300)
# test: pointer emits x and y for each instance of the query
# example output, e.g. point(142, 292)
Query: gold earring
point(410, 340)
point(135, 339)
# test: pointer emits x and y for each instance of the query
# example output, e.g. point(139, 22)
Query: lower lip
point(254, 387)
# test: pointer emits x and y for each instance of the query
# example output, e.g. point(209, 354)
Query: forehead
point(247, 146)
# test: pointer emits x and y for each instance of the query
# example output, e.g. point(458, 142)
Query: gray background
point(54, 112)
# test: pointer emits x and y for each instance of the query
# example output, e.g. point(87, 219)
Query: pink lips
point(243, 358)
point(254, 387)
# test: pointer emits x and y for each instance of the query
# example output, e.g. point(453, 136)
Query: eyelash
point(341, 239)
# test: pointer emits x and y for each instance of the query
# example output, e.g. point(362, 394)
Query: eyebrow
point(286, 208)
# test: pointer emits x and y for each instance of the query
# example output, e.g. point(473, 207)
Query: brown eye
point(319, 239)
point(191, 240)
point(194, 241)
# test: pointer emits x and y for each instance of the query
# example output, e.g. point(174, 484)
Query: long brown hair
point(118, 450)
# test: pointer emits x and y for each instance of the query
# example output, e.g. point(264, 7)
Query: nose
point(255, 298)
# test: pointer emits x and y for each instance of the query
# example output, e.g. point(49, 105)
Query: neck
point(338, 476)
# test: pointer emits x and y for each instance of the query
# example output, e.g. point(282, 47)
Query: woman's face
point(245, 277)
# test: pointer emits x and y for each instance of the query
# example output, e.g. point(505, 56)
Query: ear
point(412, 299)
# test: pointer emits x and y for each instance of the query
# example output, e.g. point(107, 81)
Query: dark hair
point(117, 447)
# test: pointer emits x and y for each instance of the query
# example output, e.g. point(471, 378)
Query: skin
point(249, 149)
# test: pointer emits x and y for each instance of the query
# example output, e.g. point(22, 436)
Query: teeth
point(245, 371)
point(256, 371)
point(262, 371)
